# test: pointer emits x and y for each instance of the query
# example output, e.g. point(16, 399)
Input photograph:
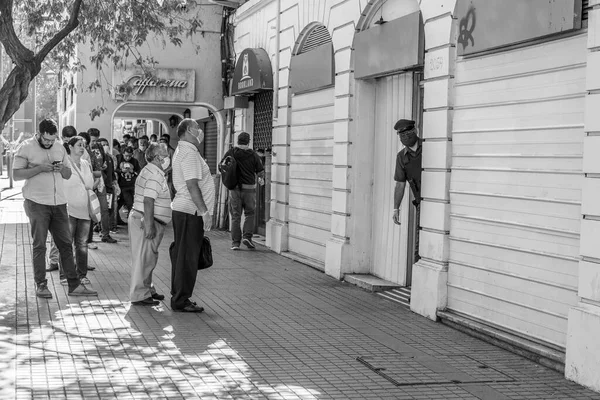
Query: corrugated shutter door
point(516, 187)
point(311, 173)
point(210, 145)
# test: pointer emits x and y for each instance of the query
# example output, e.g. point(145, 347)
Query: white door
point(515, 191)
point(390, 242)
point(311, 174)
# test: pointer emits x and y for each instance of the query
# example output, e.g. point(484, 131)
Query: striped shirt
point(188, 164)
point(152, 183)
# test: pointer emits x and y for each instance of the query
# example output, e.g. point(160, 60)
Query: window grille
point(318, 36)
point(263, 120)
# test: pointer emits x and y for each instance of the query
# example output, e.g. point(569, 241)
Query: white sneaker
point(92, 246)
point(85, 281)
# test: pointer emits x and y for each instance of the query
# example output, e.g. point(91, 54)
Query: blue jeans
point(79, 236)
point(44, 218)
point(242, 200)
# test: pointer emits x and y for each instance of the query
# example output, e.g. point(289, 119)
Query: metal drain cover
point(405, 370)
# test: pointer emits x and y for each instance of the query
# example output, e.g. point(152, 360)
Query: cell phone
point(56, 162)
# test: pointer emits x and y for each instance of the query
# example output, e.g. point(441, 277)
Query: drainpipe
point(276, 77)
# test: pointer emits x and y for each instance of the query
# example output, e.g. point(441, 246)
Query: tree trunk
point(15, 90)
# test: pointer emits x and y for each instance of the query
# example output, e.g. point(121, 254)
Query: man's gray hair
point(154, 150)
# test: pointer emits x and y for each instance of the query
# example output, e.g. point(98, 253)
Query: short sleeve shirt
point(152, 183)
point(409, 167)
point(46, 187)
point(188, 164)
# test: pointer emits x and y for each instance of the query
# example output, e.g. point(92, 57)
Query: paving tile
point(273, 329)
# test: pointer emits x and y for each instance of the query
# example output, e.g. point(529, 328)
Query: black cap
point(404, 125)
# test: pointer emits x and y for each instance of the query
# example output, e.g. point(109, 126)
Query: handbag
point(204, 261)
point(93, 202)
point(94, 206)
point(206, 258)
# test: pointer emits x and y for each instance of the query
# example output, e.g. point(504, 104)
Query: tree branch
point(15, 49)
point(63, 33)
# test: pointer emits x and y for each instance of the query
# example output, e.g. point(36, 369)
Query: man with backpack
point(239, 168)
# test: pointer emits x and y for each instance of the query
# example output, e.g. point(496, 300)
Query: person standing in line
point(408, 168)
point(44, 165)
point(243, 197)
point(147, 221)
point(139, 147)
point(112, 186)
point(192, 208)
point(127, 171)
point(105, 188)
point(76, 189)
point(67, 133)
point(96, 165)
point(166, 139)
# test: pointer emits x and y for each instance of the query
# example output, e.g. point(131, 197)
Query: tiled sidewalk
point(272, 329)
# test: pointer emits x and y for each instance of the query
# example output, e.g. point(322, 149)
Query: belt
point(158, 221)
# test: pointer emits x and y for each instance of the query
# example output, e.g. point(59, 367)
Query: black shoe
point(146, 302)
point(193, 308)
point(157, 296)
point(108, 239)
point(52, 267)
point(90, 268)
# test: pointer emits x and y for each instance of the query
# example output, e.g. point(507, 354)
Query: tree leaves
point(113, 29)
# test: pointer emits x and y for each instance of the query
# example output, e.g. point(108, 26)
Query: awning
point(253, 72)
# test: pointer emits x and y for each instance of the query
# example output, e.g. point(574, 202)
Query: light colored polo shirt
point(46, 187)
point(152, 183)
point(188, 164)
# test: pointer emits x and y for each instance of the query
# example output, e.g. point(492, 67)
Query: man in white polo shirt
point(147, 221)
point(43, 163)
point(192, 208)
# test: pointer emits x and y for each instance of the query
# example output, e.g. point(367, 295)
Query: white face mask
point(165, 163)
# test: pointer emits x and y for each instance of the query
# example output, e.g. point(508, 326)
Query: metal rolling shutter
point(210, 144)
point(516, 187)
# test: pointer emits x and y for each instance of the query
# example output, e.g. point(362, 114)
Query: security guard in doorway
point(408, 168)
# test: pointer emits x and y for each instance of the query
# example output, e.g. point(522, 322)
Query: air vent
point(585, 5)
point(318, 36)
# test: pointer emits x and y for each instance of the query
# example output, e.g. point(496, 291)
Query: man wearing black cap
point(243, 197)
point(408, 168)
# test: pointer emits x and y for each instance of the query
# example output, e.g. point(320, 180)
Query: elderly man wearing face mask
point(408, 168)
point(147, 221)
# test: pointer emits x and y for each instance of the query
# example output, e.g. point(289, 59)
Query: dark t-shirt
point(409, 168)
point(248, 162)
point(127, 171)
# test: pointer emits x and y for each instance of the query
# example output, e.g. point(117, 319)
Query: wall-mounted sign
point(485, 25)
point(252, 73)
point(312, 70)
point(394, 46)
point(161, 84)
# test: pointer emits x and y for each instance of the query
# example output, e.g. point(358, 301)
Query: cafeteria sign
point(161, 84)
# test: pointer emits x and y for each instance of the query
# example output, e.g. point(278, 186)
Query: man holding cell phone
point(44, 165)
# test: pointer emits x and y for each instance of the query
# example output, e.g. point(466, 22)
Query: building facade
point(509, 222)
point(186, 80)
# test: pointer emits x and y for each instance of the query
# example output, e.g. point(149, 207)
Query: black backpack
point(229, 172)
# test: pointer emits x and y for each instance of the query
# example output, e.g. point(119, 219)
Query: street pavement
point(272, 328)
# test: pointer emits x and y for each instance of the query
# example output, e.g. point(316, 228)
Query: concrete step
point(370, 282)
